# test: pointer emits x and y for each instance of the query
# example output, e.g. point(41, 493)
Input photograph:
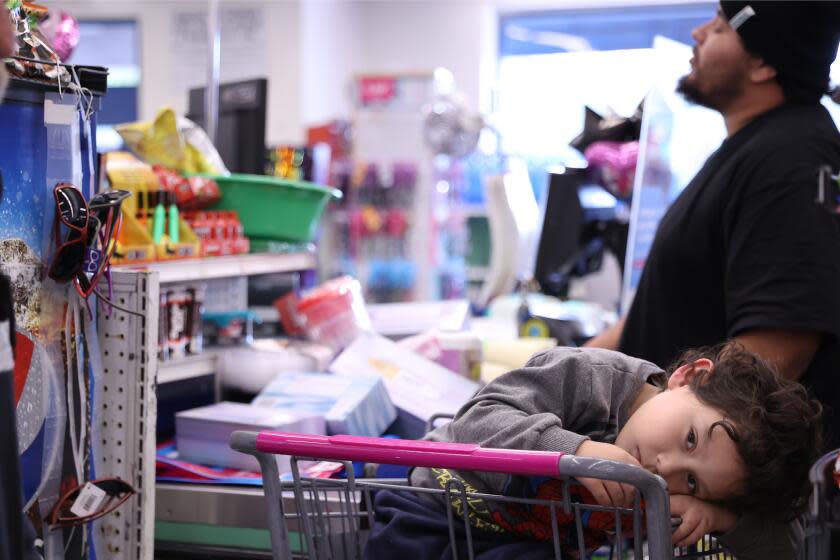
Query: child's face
point(670, 436)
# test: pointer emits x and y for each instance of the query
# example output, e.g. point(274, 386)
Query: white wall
point(310, 49)
point(173, 62)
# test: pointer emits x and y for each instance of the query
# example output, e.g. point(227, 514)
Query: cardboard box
point(418, 387)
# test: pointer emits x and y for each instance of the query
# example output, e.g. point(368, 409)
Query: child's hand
point(607, 492)
point(698, 518)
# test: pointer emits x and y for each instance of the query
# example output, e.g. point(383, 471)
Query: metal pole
point(211, 92)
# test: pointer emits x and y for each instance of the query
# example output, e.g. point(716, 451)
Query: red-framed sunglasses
point(88, 237)
point(117, 492)
point(71, 211)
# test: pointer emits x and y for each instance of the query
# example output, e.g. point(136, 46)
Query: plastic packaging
point(161, 142)
point(334, 313)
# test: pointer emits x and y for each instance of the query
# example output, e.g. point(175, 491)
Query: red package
point(191, 193)
point(204, 190)
point(172, 182)
point(287, 309)
point(334, 312)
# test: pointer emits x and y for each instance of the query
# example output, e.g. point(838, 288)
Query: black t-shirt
point(745, 246)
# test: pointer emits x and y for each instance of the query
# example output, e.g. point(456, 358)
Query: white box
point(418, 387)
point(202, 434)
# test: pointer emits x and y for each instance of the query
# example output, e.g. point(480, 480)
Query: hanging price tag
point(88, 501)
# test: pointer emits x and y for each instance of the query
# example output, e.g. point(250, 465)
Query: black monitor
point(580, 221)
point(241, 125)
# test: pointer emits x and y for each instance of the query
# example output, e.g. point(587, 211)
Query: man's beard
point(717, 99)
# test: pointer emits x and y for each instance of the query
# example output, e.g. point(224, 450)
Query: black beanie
point(798, 39)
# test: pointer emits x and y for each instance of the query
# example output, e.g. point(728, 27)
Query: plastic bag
point(162, 142)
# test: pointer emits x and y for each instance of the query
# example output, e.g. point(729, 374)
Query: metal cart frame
point(333, 514)
point(823, 516)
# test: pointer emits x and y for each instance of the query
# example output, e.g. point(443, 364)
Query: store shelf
point(225, 267)
point(186, 368)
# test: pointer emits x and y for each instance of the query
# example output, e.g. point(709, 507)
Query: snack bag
point(160, 142)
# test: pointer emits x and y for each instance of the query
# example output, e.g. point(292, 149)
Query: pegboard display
point(125, 412)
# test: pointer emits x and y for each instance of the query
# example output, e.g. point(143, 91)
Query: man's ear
point(683, 375)
point(761, 72)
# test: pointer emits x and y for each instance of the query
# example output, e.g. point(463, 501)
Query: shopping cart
point(329, 519)
point(822, 524)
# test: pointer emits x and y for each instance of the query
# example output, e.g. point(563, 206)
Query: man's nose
point(699, 32)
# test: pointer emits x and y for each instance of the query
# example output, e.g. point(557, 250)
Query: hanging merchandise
point(82, 498)
point(610, 128)
point(401, 230)
point(612, 165)
point(61, 30)
point(35, 59)
point(449, 128)
point(55, 232)
point(84, 252)
point(374, 238)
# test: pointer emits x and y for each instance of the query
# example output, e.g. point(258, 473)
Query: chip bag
point(161, 142)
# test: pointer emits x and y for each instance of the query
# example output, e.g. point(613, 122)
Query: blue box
point(358, 406)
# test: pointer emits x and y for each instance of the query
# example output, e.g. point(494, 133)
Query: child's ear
point(683, 375)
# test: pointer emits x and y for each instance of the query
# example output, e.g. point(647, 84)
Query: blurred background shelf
point(187, 368)
point(226, 267)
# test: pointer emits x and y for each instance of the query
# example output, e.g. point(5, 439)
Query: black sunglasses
point(72, 211)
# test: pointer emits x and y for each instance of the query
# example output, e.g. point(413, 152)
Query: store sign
point(377, 90)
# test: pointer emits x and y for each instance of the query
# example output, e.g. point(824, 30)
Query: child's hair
point(774, 423)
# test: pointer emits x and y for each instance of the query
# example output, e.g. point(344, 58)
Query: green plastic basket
point(274, 208)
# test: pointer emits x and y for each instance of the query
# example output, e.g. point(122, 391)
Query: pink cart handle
point(414, 453)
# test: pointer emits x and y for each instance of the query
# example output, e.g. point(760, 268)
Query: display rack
point(126, 406)
point(125, 411)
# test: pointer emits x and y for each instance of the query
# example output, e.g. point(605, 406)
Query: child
point(732, 439)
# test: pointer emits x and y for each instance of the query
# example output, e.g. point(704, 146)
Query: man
point(744, 253)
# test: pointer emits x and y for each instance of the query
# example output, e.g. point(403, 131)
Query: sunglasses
point(116, 493)
point(71, 212)
point(107, 219)
point(85, 234)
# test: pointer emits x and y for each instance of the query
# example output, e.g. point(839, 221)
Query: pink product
point(411, 453)
point(613, 166)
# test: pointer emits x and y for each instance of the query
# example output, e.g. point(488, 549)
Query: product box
point(418, 387)
point(203, 434)
point(250, 368)
point(358, 406)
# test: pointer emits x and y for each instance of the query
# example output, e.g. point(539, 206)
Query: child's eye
point(691, 439)
point(692, 484)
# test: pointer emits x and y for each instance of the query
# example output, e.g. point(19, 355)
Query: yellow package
point(160, 143)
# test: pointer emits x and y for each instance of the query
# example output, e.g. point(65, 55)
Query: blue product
point(358, 406)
